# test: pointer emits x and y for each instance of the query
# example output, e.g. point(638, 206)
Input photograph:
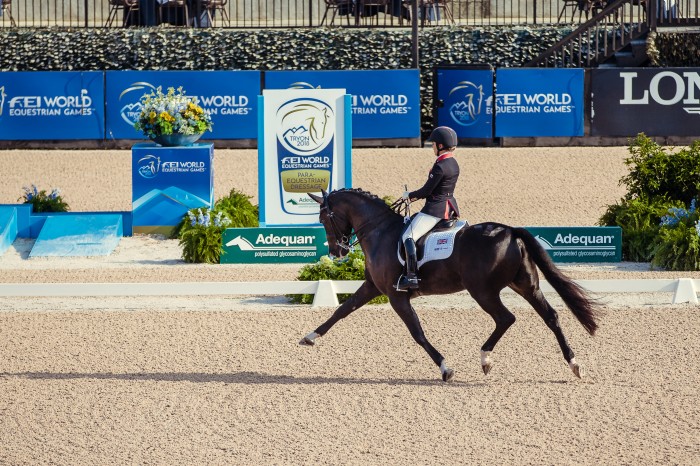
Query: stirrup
point(406, 283)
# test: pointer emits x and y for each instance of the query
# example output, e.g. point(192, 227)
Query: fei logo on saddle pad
point(273, 245)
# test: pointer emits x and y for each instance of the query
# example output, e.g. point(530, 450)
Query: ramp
point(8, 227)
point(78, 235)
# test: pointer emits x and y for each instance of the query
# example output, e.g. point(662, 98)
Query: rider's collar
point(444, 156)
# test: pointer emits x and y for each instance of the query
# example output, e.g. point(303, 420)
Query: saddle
point(437, 244)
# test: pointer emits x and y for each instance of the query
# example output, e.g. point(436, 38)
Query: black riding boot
point(409, 280)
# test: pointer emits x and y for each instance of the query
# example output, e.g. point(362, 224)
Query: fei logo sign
point(273, 245)
point(580, 244)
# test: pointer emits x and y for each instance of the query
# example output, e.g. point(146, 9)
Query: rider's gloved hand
point(406, 196)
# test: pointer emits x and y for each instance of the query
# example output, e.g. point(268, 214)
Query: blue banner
point(466, 98)
point(385, 103)
point(539, 102)
point(167, 182)
point(47, 105)
point(229, 96)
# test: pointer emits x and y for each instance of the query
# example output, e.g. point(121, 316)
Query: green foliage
point(678, 242)
point(655, 171)
point(42, 201)
point(639, 219)
point(351, 267)
point(239, 209)
point(200, 235)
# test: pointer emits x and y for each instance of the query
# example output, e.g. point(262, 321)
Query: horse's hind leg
point(537, 300)
point(362, 296)
point(492, 304)
point(402, 306)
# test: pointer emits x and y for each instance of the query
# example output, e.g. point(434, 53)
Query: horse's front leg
point(402, 306)
point(362, 296)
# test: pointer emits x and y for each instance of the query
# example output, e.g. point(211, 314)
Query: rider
point(440, 203)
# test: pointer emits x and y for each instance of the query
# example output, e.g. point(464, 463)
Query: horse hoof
point(486, 368)
point(576, 369)
point(306, 341)
point(448, 374)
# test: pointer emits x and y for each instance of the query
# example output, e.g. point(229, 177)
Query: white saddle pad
point(438, 244)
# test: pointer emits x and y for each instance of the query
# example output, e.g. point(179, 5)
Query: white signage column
point(304, 146)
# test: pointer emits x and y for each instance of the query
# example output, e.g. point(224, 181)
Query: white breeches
point(421, 224)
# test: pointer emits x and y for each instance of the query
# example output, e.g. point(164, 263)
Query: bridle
point(344, 242)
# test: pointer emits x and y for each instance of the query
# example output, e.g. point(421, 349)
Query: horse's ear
point(316, 198)
point(325, 194)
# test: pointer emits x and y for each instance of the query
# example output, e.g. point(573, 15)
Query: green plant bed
point(678, 242)
point(351, 267)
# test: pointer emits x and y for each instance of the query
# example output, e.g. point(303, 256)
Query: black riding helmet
point(443, 136)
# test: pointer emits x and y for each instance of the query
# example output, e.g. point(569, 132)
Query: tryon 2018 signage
point(273, 245)
point(304, 146)
point(36, 105)
point(580, 244)
point(655, 101)
point(465, 101)
point(385, 103)
point(229, 96)
point(539, 102)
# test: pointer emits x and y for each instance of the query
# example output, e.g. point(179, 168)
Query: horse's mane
point(366, 194)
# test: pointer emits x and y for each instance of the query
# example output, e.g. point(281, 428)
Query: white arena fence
point(325, 291)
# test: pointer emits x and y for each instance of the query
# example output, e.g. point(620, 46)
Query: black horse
point(487, 258)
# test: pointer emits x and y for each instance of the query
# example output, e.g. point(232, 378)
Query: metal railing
point(253, 14)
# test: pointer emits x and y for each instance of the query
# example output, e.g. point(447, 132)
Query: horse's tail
point(585, 309)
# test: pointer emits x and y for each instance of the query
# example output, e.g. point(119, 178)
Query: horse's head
point(338, 228)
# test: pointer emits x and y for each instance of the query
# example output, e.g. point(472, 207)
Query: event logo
point(466, 110)
point(665, 88)
point(2, 99)
point(305, 126)
point(148, 166)
point(534, 103)
point(369, 104)
point(48, 105)
point(132, 109)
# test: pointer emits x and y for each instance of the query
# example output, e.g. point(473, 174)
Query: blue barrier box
point(167, 182)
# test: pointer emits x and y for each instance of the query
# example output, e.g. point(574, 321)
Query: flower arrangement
point(171, 113)
point(42, 201)
point(200, 235)
point(201, 230)
point(678, 242)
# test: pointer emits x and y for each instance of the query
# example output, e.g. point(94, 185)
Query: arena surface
point(222, 380)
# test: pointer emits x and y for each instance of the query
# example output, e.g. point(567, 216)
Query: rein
point(343, 241)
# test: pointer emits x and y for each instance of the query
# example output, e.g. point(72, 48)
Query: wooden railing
point(613, 27)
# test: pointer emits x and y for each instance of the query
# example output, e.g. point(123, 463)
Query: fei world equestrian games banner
point(229, 96)
point(465, 100)
point(655, 101)
point(48, 105)
point(539, 102)
point(385, 103)
point(304, 146)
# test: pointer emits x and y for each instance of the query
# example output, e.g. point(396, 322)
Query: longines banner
point(539, 102)
point(385, 103)
point(229, 96)
point(655, 101)
point(48, 105)
point(304, 146)
point(465, 99)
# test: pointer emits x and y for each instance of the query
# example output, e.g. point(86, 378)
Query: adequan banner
point(273, 245)
point(580, 244)
point(654, 101)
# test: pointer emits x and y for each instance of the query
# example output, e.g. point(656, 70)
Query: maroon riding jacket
point(438, 191)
